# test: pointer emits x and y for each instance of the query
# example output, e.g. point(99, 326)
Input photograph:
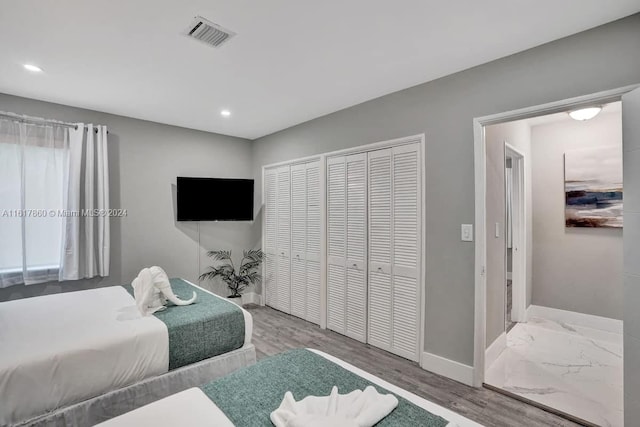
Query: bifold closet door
point(270, 233)
point(299, 240)
point(346, 245)
point(336, 243)
point(395, 244)
point(380, 286)
point(406, 250)
point(314, 236)
point(283, 238)
point(292, 232)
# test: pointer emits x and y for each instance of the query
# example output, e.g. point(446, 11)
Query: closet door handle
point(379, 268)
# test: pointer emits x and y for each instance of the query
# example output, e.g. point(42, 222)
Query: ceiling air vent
point(208, 32)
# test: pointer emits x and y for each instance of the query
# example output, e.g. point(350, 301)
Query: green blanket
point(204, 329)
point(248, 396)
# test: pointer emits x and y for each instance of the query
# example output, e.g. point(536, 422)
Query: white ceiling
point(291, 61)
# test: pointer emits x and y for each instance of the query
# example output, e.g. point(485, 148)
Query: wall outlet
point(466, 232)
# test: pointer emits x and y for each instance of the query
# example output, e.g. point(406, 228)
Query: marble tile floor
point(573, 369)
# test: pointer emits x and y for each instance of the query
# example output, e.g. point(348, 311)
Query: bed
point(82, 357)
point(247, 396)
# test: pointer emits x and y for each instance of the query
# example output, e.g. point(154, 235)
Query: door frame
point(519, 247)
point(480, 166)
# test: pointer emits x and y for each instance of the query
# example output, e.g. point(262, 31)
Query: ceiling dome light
point(225, 113)
point(585, 113)
point(33, 68)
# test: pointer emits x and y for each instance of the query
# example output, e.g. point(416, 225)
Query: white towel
point(148, 297)
point(356, 409)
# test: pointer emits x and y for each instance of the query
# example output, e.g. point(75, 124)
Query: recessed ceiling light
point(585, 113)
point(225, 113)
point(33, 68)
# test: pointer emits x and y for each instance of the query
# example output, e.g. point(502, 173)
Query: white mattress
point(65, 348)
point(197, 410)
point(60, 349)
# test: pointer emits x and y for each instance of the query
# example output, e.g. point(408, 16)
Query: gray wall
point(144, 160)
point(599, 59)
point(518, 135)
point(631, 146)
point(575, 269)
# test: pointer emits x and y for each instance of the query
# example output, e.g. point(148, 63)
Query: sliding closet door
point(406, 250)
point(270, 233)
point(336, 243)
point(314, 223)
point(283, 238)
point(298, 240)
point(356, 233)
point(380, 286)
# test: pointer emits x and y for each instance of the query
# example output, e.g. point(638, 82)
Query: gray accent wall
point(144, 160)
point(599, 59)
point(631, 147)
point(574, 269)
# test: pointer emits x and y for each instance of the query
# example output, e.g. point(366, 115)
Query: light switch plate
point(466, 232)
point(497, 230)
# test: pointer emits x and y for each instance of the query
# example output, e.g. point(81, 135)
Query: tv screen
point(214, 199)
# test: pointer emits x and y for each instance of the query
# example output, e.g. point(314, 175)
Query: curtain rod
point(38, 121)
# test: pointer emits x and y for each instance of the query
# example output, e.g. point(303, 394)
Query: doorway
point(515, 236)
point(517, 202)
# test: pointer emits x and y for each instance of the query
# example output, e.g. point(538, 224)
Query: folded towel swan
point(152, 289)
point(356, 409)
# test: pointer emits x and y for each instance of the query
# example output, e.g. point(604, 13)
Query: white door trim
point(479, 145)
point(519, 253)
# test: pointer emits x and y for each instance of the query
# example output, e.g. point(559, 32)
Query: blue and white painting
point(593, 187)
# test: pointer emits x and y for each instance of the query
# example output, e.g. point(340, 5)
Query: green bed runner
point(204, 329)
point(248, 396)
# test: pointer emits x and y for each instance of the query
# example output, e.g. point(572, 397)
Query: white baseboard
point(447, 368)
point(574, 318)
point(251, 298)
point(494, 350)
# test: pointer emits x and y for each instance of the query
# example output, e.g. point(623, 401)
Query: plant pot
point(236, 299)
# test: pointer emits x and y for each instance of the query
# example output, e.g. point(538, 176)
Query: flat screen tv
point(214, 199)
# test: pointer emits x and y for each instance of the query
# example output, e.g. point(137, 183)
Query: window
point(32, 164)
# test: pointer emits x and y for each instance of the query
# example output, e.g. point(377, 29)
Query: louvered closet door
point(283, 238)
point(270, 225)
point(356, 233)
point(298, 240)
point(406, 250)
point(380, 218)
point(314, 206)
point(336, 244)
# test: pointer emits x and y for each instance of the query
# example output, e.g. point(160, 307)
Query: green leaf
point(220, 255)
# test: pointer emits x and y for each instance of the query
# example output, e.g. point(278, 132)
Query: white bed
point(194, 409)
point(61, 350)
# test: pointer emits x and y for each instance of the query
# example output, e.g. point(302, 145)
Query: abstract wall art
point(593, 187)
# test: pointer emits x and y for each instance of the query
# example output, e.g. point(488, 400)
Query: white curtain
point(32, 163)
point(54, 200)
point(86, 241)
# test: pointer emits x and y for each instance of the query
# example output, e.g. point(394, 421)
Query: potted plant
point(237, 281)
